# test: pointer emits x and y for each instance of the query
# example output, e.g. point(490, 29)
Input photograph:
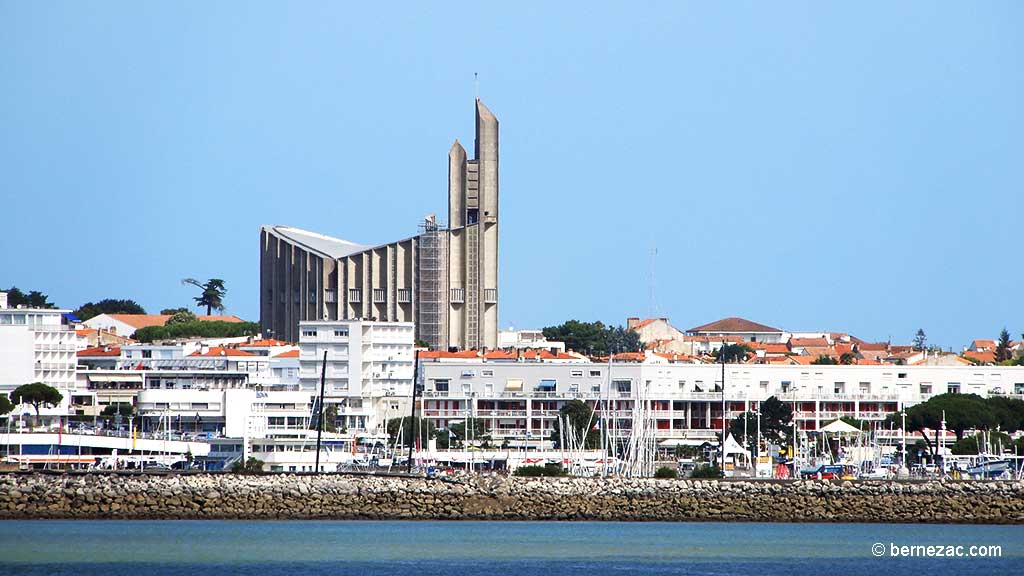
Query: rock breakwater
point(92, 496)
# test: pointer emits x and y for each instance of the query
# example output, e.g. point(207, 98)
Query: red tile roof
point(100, 351)
point(222, 351)
point(988, 356)
point(288, 354)
point(873, 346)
point(138, 321)
point(804, 342)
point(983, 344)
point(733, 325)
point(265, 343)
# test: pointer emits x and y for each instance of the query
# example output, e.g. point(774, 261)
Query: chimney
point(3, 300)
point(631, 322)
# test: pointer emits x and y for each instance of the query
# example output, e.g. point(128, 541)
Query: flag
point(134, 436)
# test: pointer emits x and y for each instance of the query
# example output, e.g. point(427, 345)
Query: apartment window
point(698, 386)
point(458, 295)
point(926, 388)
point(487, 372)
point(865, 387)
point(441, 385)
point(404, 295)
point(839, 388)
point(306, 333)
point(200, 406)
point(953, 387)
point(379, 295)
point(490, 295)
point(595, 373)
point(546, 385)
point(354, 295)
point(275, 421)
point(902, 375)
point(341, 332)
point(622, 385)
point(576, 373)
point(147, 353)
point(764, 385)
point(330, 296)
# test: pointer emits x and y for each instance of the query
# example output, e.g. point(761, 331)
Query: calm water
point(147, 548)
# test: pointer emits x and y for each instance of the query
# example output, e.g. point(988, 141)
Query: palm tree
point(213, 293)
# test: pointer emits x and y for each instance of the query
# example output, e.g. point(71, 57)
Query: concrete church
point(445, 279)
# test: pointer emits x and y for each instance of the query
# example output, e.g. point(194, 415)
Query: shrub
point(706, 471)
point(549, 470)
point(666, 472)
point(251, 466)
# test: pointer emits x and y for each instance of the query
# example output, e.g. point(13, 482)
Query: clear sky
point(852, 167)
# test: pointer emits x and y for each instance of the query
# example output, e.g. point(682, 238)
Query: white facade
point(35, 346)
point(369, 369)
point(520, 400)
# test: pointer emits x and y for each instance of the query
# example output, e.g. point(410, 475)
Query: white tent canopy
point(840, 427)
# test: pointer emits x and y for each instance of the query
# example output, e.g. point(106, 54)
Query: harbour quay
point(474, 497)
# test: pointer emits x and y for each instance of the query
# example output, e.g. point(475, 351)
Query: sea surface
point(266, 548)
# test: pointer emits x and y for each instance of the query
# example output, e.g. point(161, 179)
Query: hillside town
point(220, 401)
point(324, 380)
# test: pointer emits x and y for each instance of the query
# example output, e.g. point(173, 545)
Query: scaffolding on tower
point(430, 302)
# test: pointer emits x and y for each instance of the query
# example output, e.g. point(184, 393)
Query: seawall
point(93, 496)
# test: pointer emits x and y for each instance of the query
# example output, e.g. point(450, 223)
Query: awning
point(514, 385)
point(71, 318)
point(672, 443)
point(115, 378)
point(546, 385)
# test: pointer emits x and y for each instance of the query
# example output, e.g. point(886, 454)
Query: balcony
point(490, 295)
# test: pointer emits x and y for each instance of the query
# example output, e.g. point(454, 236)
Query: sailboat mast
point(320, 412)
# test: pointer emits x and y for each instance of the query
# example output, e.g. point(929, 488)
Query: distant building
point(369, 369)
point(444, 279)
point(741, 329)
point(527, 339)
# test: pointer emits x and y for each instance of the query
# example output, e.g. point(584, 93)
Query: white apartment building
point(520, 400)
point(36, 345)
point(368, 372)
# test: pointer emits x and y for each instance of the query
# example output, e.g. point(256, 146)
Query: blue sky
point(849, 167)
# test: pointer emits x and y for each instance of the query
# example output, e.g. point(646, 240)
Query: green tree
point(173, 311)
point(422, 344)
point(962, 412)
point(197, 329)
point(476, 428)
point(972, 444)
point(38, 395)
point(6, 406)
point(848, 358)
point(212, 296)
point(585, 337)
point(421, 430)
point(743, 427)
point(733, 353)
point(581, 425)
point(1008, 412)
point(1003, 352)
point(34, 299)
point(619, 339)
point(920, 339)
point(776, 420)
point(824, 361)
point(108, 306)
point(594, 337)
point(125, 409)
point(183, 316)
